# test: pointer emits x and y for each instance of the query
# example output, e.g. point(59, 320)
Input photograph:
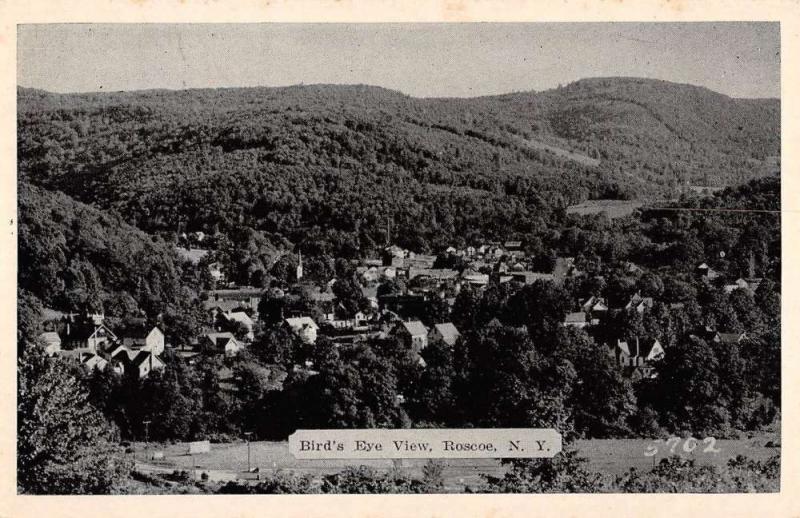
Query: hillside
point(333, 162)
point(71, 254)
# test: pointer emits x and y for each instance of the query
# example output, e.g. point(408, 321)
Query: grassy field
point(612, 208)
point(561, 152)
point(611, 457)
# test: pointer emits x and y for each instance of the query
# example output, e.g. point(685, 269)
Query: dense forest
point(325, 166)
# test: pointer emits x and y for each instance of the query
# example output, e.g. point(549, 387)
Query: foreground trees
point(64, 445)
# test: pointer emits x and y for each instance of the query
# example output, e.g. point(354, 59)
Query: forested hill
point(329, 164)
point(74, 256)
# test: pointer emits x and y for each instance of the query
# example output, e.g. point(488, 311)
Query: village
point(233, 319)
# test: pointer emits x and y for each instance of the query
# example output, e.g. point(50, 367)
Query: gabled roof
point(298, 323)
point(448, 332)
point(623, 347)
point(646, 346)
point(731, 338)
point(415, 328)
point(223, 305)
point(139, 332)
point(94, 362)
point(240, 316)
point(579, 317)
point(140, 358)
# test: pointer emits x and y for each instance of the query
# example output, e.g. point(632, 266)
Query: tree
point(541, 307)
point(564, 473)
point(64, 445)
point(29, 317)
point(276, 347)
point(602, 399)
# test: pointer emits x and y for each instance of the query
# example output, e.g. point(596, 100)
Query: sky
point(740, 59)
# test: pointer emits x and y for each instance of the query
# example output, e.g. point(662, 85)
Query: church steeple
point(300, 267)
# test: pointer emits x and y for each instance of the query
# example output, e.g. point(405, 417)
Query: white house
point(445, 332)
point(244, 319)
point(151, 339)
point(304, 327)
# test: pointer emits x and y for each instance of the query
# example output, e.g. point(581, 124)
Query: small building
point(639, 303)
point(88, 337)
point(145, 362)
point(641, 352)
point(413, 334)
point(146, 339)
point(51, 341)
point(730, 338)
point(304, 327)
point(244, 319)
point(221, 343)
point(577, 319)
point(704, 271)
point(445, 332)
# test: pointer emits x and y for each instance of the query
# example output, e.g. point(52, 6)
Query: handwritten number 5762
point(689, 445)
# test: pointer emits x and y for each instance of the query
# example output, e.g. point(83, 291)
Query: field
point(612, 457)
point(612, 208)
point(561, 152)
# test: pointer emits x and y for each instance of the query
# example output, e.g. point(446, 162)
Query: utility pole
point(247, 438)
point(146, 437)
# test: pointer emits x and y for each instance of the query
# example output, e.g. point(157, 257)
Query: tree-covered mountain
point(329, 164)
point(72, 255)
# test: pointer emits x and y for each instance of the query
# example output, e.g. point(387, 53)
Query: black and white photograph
point(406, 258)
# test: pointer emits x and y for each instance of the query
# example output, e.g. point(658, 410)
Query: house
point(221, 343)
point(577, 319)
point(51, 341)
point(639, 303)
point(730, 338)
point(144, 362)
point(93, 361)
point(147, 339)
point(413, 334)
point(738, 284)
point(421, 261)
point(88, 336)
point(371, 294)
point(218, 307)
point(641, 352)
point(304, 327)
point(706, 272)
point(445, 332)
point(244, 319)
point(596, 308)
point(513, 246)
point(471, 251)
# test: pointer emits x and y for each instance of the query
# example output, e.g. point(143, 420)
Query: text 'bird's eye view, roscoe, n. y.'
point(398, 258)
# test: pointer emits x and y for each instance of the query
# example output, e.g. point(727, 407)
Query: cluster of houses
point(232, 313)
point(501, 262)
point(87, 340)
